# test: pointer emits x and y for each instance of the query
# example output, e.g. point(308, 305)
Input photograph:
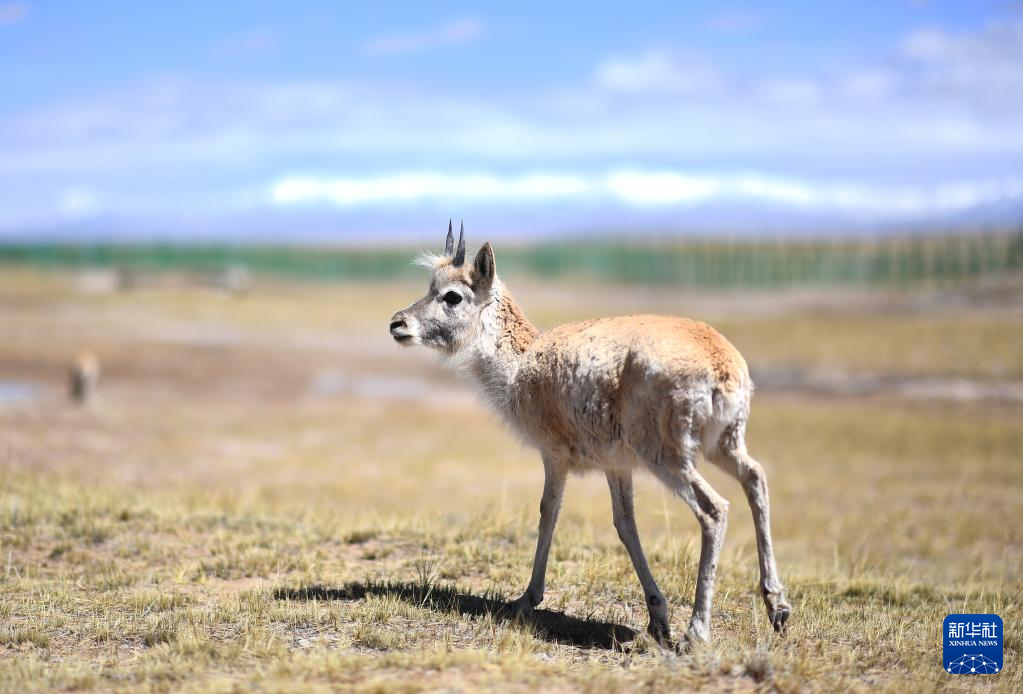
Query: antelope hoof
point(779, 616)
point(696, 636)
point(521, 608)
point(660, 631)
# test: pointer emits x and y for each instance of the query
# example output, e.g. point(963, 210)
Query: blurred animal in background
point(83, 377)
point(232, 279)
point(612, 394)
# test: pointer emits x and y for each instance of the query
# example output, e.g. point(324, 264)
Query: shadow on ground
point(555, 627)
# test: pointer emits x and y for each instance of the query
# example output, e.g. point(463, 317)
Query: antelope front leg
point(550, 505)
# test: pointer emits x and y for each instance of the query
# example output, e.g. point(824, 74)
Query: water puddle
point(19, 392)
point(407, 388)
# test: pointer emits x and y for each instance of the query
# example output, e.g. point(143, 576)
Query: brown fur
point(517, 331)
point(588, 388)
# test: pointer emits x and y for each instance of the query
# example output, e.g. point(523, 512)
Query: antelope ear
point(484, 268)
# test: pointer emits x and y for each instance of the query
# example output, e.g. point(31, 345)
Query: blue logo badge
point(973, 644)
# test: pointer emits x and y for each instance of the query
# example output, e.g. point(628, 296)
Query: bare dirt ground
point(268, 493)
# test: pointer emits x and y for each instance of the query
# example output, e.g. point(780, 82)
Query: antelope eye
point(452, 298)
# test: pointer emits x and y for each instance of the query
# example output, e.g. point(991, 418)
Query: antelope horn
point(449, 245)
point(460, 253)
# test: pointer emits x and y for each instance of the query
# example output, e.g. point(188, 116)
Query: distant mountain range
point(419, 223)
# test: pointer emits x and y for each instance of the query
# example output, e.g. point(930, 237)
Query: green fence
point(892, 261)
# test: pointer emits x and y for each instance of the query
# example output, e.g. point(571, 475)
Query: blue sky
point(269, 120)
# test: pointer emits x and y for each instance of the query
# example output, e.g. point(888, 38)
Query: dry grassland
point(269, 494)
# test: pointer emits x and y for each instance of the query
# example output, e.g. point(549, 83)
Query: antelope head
point(451, 314)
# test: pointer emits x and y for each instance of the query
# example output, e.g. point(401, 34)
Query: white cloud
point(980, 69)
point(774, 189)
point(860, 199)
point(12, 12)
point(660, 188)
point(640, 131)
point(658, 71)
point(639, 188)
point(457, 31)
point(78, 202)
point(408, 187)
point(213, 126)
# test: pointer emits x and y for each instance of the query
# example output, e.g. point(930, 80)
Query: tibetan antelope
point(611, 394)
point(83, 377)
